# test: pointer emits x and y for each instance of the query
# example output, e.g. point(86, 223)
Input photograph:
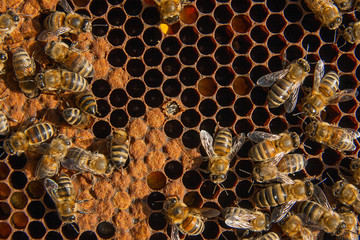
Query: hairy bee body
point(329, 221)
point(119, 149)
point(338, 138)
point(69, 59)
point(278, 194)
point(326, 12)
point(3, 59)
point(8, 23)
point(4, 124)
point(352, 230)
point(61, 79)
point(271, 148)
point(48, 165)
point(24, 65)
point(73, 21)
point(352, 33)
point(223, 142)
point(237, 217)
point(347, 194)
point(294, 228)
point(344, 5)
point(76, 117)
point(170, 10)
point(79, 159)
point(40, 132)
point(63, 194)
point(86, 102)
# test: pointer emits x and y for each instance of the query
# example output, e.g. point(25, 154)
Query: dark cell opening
point(259, 34)
point(105, 230)
point(242, 65)
point(116, 16)
point(152, 57)
point(314, 147)
point(259, 54)
point(223, 34)
point(348, 106)
point(348, 122)
point(226, 198)
point(328, 53)
point(293, 33)
point(19, 235)
point(4, 171)
point(158, 236)
point(205, 6)
point(134, 47)
point(275, 63)
point(331, 157)
point(258, 12)
point(103, 108)
point(136, 108)
point(151, 15)
point(226, 117)
point(117, 57)
point(206, 66)
point(257, 72)
point(157, 221)
point(225, 96)
point(241, 23)
point(227, 235)
point(330, 175)
point(260, 116)
point(258, 95)
point(223, 13)
point(231, 178)
point(36, 209)
point(18, 180)
point(207, 86)
point(119, 118)
point(348, 81)
point(293, 13)
point(191, 139)
point(190, 97)
point(188, 55)
point(189, 76)
point(211, 230)
point(189, 35)
point(192, 180)
point(101, 129)
point(207, 190)
point(171, 87)
point(208, 107)
point(135, 67)
point(311, 43)
point(241, 44)
point(327, 35)
point(171, 66)
point(310, 23)
point(224, 55)
point(224, 76)
point(52, 220)
point(206, 45)
point(293, 53)
point(101, 88)
point(153, 78)
point(193, 199)
point(240, 6)
point(36, 229)
point(154, 98)
point(173, 169)
point(346, 62)
point(206, 24)
point(118, 98)
point(190, 118)
point(99, 27)
point(134, 26)
point(133, 7)
point(276, 5)
point(155, 200)
point(70, 230)
point(17, 162)
point(5, 211)
point(48, 201)
point(208, 124)
point(170, 45)
point(116, 37)
point(152, 36)
point(98, 7)
point(242, 189)
point(275, 23)
point(243, 106)
point(88, 235)
point(278, 125)
point(135, 88)
point(173, 128)
point(244, 168)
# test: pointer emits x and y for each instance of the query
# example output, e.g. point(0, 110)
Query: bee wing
point(306, 234)
point(207, 142)
point(343, 96)
point(285, 179)
point(174, 233)
point(66, 6)
point(238, 141)
point(280, 212)
point(321, 198)
point(44, 35)
point(290, 103)
point(269, 79)
point(239, 220)
point(318, 74)
point(209, 212)
point(258, 136)
point(51, 187)
point(278, 157)
point(353, 133)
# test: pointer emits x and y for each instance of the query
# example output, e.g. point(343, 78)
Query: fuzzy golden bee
point(324, 92)
point(119, 148)
point(266, 236)
point(326, 11)
point(3, 59)
point(54, 152)
point(272, 146)
point(294, 228)
point(347, 194)
point(61, 80)
point(338, 138)
point(237, 217)
point(185, 219)
point(9, 21)
point(82, 160)
point(63, 194)
point(352, 229)
point(345, 5)
point(285, 84)
point(86, 102)
point(58, 23)
point(271, 170)
point(355, 168)
point(69, 58)
point(28, 139)
point(77, 118)
point(170, 10)
point(351, 34)
point(220, 151)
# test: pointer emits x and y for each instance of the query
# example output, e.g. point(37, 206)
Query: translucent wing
point(44, 35)
point(209, 212)
point(285, 179)
point(239, 220)
point(66, 6)
point(51, 187)
point(258, 136)
point(174, 233)
point(318, 74)
point(343, 96)
point(238, 141)
point(321, 198)
point(207, 142)
point(280, 212)
point(269, 79)
point(353, 133)
point(290, 103)
point(278, 157)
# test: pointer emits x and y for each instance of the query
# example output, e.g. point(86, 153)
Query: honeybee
point(76, 117)
point(285, 84)
point(58, 23)
point(28, 139)
point(172, 108)
point(170, 10)
point(220, 152)
point(267, 236)
point(119, 149)
point(48, 165)
point(352, 230)
point(86, 102)
point(61, 80)
point(351, 33)
point(3, 59)
point(347, 194)
point(9, 21)
point(355, 167)
point(272, 146)
point(338, 138)
point(63, 194)
point(185, 219)
point(294, 228)
point(69, 58)
point(326, 12)
point(267, 171)
point(344, 5)
point(256, 221)
point(79, 159)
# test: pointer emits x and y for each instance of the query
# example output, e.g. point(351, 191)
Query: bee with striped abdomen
point(9, 21)
point(69, 58)
point(347, 194)
point(3, 59)
point(326, 12)
point(185, 219)
point(54, 152)
point(272, 146)
point(170, 10)
point(269, 170)
point(77, 118)
point(220, 152)
point(285, 84)
point(294, 228)
point(21, 141)
point(266, 236)
point(63, 194)
point(58, 23)
point(324, 92)
point(119, 148)
point(237, 217)
point(86, 102)
point(338, 138)
point(352, 229)
point(61, 80)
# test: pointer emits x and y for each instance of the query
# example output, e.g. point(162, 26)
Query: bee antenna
point(224, 236)
point(244, 171)
point(299, 113)
point(307, 146)
point(223, 187)
point(252, 184)
point(72, 224)
point(100, 25)
point(330, 177)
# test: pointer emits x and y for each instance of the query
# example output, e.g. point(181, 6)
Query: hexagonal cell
point(188, 35)
point(52, 220)
point(71, 231)
point(18, 180)
point(243, 189)
point(207, 86)
point(241, 23)
point(189, 14)
point(226, 198)
point(208, 107)
point(98, 7)
point(330, 175)
point(173, 128)
point(103, 108)
point(348, 122)
point(348, 81)
point(152, 57)
point(171, 87)
point(189, 76)
point(118, 98)
point(275, 23)
point(209, 190)
point(240, 6)
point(4, 171)
point(331, 157)
point(36, 229)
point(191, 180)
point(258, 95)
point(5, 211)
point(171, 66)
point(101, 88)
point(293, 13)
point(18, 200)
point(35, 189)
point(151, 15)
point(157, 221)
point(134, 47)
point(211, 230)
point(135, 88)
point(117, 57)
point(276, 5)
point(170, 45)
point(193, 199)
point(5, 230)
point(206, 45)
point(206, 66)
point(19, 220)
point(241, 44)
point(293, 53)
point(52, 235)
point(278, 125)
point(275, 63)
point(242, 64)
point(19, 235)
point(189, 55)
point(206, 24)
point(155, 200)
point(260, 116)
point(258, 12)
point(101, 129)
point(311, 43)
point(191, 139)
point(116, 16)
point(156, 180)
point(190, 118)
point(293, 33)
point(312, 147)
point(259, 54)
point(154, 98)
point(223, 13)
point(346, 62)
point(328, 53)
point(133, 7)
point(226, 117)
point(242, 106)
point(224, 55)
point(225, 96)
point(152, 36)
point(36, 209)
point(99, 27)
point(17, 162)
point(134, 26)
point(242, 85)
point(310, 23)
point(224, 34)
point(205, 6)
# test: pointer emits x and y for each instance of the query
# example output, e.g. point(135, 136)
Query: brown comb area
point(209, 65)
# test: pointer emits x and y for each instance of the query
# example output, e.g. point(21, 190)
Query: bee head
point(309, 109)
point(354, 165)
point(8, 148)
point(170, 201)
point(338, 187)
point(309, 187)
point(86, 26)
point(311, 128)
point(256, 174)
point(295, 139)
point(340, 229)
point(40, 81)
point(218, 178)
point(335, 23)
point(3, 56)
point(304, 64)
point(65, 139)
point(14, 15)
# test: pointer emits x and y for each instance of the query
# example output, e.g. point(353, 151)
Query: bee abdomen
point(4, 124)
point(119, 155)
point(83, 67)
point(73, 82)
point(271, 196)
point(269, 236)
point(40, 132)
point(329, 84)
point(311, 210)
point(54, 21)
point(192, 226)
point(23, 64)
point(279, 92)
point(66, 188)
point(223, 142)
point(262, 151)
point(74, 116)
point(87, 103)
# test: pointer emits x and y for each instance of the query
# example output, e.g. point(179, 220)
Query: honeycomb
point(207, 65)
